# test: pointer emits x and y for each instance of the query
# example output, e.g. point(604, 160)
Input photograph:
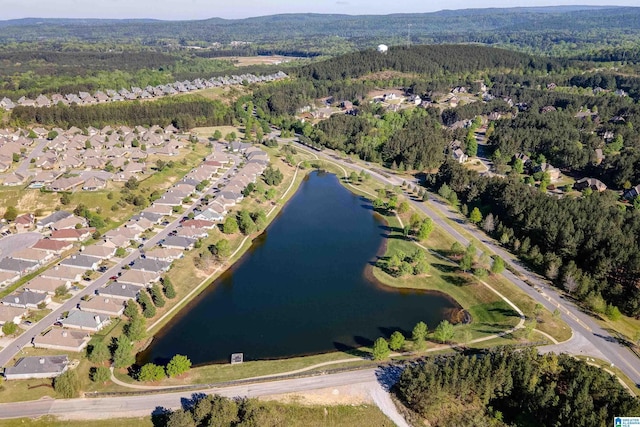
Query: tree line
point(505, 387)
point(183, 112)
point(587, 245)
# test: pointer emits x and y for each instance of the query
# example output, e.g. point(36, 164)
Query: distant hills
point(492, 26)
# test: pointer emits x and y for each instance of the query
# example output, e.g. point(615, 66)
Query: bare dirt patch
point(355, 394)
point(244, 61)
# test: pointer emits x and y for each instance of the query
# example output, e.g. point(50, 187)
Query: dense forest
point(506, 388)
point(555, 30)
point(587, 245)
point(183, 112)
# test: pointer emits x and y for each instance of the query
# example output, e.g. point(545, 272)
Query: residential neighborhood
point(148, 92)
point(72, 267)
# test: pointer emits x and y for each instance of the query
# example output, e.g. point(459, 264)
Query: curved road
point(602, 344)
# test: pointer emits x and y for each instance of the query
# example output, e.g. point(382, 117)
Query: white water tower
point(383, 48)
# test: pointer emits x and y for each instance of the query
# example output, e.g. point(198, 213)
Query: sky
point(203, 9)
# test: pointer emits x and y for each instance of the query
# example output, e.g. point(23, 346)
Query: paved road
point(23, 168)
point(145, 404)
point(601, 342)
point(15, 242)
point(14, 347)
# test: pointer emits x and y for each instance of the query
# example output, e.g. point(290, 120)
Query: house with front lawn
point(85, 321)
point(103, 305)
point(139, 278)
point(72, 234)
point(18, 266)
point(34, 255)
point(56, 247)
point(26, 299)
point(152, 265)
point(62, 340)
point(64, 272)
point(37, 367)
point(12, 314)
point(82, 261)
point(101, 251)
point(164, 254)
point(120, 290)
point(183, 243)
point(46, 285)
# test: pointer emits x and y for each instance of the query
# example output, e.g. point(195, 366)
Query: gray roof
point(150, 265)
point(230, 195)
point(178, 241)
point(153, 217)
point(38, 365)
point(17, 265)
point(54, 217)
point(84, 319)
point(24, 298)
point(83, 261)
point(120, 290)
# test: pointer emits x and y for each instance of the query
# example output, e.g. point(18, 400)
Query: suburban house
point(164, 254)
point(94, 183)
point(54, 246)
point(24, 222)
point(85, 321)
point(37, 367)
point(62, 339)
point(66, 184)
point(191, 232)
point(46, 285)
point(100, 251)
point(17, 265)
point(116, 242)
point(11, 314)
point(459, 156)
point(195, 223)
point(120, 290)
point(164, 210)
point(103, 305)
point(64, 272)
point(82, 261)
point(153, 217)
point(26, 299)
point(210, 215)
point(152, 265)
point(554, 173)
point(70, 221)
point(53, 218)
point(35, 255)
point(139, 278)
point(126, 233)
point(632, 193)
point(177, 242)
point(169, 200)
point(72, 234)
point(592, 183)
point(7, 277)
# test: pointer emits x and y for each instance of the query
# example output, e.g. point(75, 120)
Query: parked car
point(113, 278)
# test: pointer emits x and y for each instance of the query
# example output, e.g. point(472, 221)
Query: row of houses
point(149, 92)
point(73, 332)
point(88, 158)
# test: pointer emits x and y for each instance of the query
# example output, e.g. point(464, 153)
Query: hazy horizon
point(203, 9)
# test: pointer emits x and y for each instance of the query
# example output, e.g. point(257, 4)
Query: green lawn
point(291, 415)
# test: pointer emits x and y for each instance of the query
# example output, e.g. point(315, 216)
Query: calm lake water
point(300, 289)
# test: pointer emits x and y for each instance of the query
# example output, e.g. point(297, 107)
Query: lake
point(301, 288)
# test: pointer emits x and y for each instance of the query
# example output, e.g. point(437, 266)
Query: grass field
point(291, 415)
